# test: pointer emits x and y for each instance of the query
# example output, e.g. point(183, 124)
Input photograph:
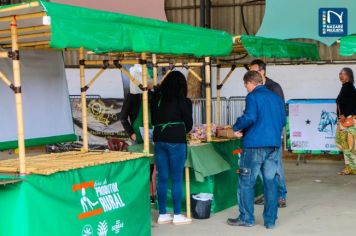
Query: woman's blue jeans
point(170, 160)
point(252, 161)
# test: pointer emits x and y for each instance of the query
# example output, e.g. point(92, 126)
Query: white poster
point(46, 107)
point(312, 125)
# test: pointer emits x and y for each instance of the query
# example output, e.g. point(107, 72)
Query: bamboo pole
point(228, 74)
point(154, 62)
point(187, 191)
point(85, 147)
point(95, 77)
point(27, 36)
point(111, 62)
point(132, 79)
point(20, 7)
point(180, 64)
point(195, 75)
point(18, 97)
point(146, 146)
point(4, 54)
point(218, 90)
point(5, 79)
point(165, 75)
point(27, 29)
point(29, 44)
point(23, 17)
point(208, 98)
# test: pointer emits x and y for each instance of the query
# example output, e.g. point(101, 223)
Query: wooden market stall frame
point(39, 35)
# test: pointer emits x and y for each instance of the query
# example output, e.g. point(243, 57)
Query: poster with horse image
point(311, 126)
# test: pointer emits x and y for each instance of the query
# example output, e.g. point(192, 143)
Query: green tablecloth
point(212, 170)
point(203, 159)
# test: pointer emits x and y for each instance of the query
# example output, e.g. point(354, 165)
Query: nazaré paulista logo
point(98, 197)
point(332, 22)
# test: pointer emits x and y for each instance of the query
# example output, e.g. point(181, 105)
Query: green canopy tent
point(277, 48)
point(44, 24)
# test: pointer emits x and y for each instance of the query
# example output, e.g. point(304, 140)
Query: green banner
point(111, 199)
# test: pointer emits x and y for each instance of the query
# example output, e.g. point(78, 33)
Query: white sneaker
point(164, 219)
point(181, 220)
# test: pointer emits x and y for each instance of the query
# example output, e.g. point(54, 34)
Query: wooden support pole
point(154, 62)
point(218, 90)
point(28, 36)
point(132, 79)
point(100, 62)
point(23, 17)
point(4, 55)
point(180, 64)
point(165, 75)
point(83, 94)
point(18, 96)
point(95, 77)
point(20, 7)
point(5, 79)
point(146, 145)
point(228, 75)
point(195, 75)
point(27, 29)
point(187, 191)
point(208, 98)
point(29, 44)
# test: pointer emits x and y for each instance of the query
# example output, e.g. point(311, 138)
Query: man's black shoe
point(237, 222)
point(260, 201)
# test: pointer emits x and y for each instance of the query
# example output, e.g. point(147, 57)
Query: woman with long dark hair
point(171, 115)
point(346, 109)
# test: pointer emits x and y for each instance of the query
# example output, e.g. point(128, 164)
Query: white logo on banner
point(108, 194)
point(87, 230)
point(86, 203)
point(102, 228)
point(117, 227)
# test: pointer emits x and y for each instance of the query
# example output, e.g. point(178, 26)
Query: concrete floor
point(320, 203)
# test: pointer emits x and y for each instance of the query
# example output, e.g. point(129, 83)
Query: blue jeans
point(170, 159)
point(252, 162)
point(282, 188)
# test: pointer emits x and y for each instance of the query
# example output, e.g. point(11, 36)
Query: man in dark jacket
point(263, 121)
point(260, 66)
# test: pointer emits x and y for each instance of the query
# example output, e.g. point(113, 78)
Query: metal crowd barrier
point(230, 109)
point(236, 108)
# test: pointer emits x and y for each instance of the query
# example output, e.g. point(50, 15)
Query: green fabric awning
point(102, 32)
point(277, 48)
point(348, 45)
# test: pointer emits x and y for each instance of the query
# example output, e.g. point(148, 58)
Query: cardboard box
point(226, 133)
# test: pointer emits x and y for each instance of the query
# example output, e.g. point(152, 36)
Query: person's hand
point(342, 118)
point(133, 137)
point(238, 134)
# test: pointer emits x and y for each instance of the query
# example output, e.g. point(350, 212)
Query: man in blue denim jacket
point(262, 122)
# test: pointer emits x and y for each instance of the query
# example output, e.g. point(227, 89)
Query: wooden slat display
point(47, 164)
